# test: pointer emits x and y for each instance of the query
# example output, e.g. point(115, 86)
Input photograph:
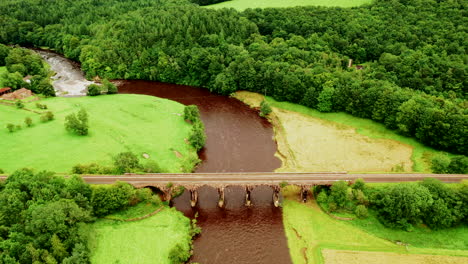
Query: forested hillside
point(413, 53)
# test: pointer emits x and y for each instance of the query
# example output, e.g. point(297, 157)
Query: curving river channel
point(238, 140)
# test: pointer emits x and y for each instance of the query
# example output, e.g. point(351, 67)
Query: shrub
point(93, 90)
point(322, 197)
point(107, 199)
point(339, 194)
point(47, 116)
point(18, 127)
point(265, 109)
point(41, 106)
point(92, 168)
point(198, 137)
point(192, 113)
point(126, 162)
point(151, 167)
point(179, 254)
point(10, 127)
point(359, 184)
point(332, 207)
point(28, 121)
point(440, 163)
point(77, 123)
point(458, 164)
point(109, 87)
point(2, 171)
point(19, 104)
point(361, 211)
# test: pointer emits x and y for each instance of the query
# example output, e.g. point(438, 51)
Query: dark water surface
point(237, 234)
point(238, 139)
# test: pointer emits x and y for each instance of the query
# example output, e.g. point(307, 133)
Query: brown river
point(238, 140)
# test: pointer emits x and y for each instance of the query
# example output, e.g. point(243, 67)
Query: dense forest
point(412, 73)
point(402, 205)
point(21, 63)
point(43, 217)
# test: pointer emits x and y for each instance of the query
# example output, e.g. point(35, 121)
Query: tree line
point(402, 205)
point(413, 54)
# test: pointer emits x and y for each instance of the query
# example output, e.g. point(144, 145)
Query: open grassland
point(244, 4)
point(145, 241)
point(359, 257)
point(309, 143)
point(2, 70)
point(421, 154)
point(117, 123)
point(309, 231)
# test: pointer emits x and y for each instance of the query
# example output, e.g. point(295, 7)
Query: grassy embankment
point(117, 123)
point(244, 4)
point(309, 140)
point(144, 241)
point(315, 237)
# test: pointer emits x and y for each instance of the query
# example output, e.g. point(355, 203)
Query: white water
point(69, 79)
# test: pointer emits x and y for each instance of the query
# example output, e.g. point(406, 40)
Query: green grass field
point(421, 153)
point(145, 241)
point(309, 230)
point(117, 123)
point(244, 4)
point(2, 70)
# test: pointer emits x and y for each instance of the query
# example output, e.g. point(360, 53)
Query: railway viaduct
point(168, 182)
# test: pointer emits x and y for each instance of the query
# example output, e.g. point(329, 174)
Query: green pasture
point(244, 4)
point(117, 123)
point(144, 241)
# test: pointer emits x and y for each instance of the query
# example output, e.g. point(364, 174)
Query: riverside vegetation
point(50, 219)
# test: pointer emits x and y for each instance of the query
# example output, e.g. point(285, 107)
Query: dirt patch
point(306, 143)
point(351, 257)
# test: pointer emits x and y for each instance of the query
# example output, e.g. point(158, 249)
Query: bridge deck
point(268, 178)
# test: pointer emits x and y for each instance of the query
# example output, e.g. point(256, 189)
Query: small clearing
point(244, 4)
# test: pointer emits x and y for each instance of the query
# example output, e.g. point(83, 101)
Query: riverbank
point(117, 123)
point(315, 237)
point(312, 141)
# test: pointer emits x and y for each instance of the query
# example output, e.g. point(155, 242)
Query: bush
point(41, 106)
point(126, 162)
point(440, 163)
point(92, 168)
point(107, 199)
point(28, 121)
point(265, 109)
point(179, 254)
point(322, 197)
point(94, 90)
point(77, 123)
point(47, 116)
point(339, 194)
point(19, 104)
point(459, 165)
point(361, 211)
point(10, 127)
point(151, 167)
point(109, 87)
point(192, 113)
point(2, 171)
point(198, 137)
